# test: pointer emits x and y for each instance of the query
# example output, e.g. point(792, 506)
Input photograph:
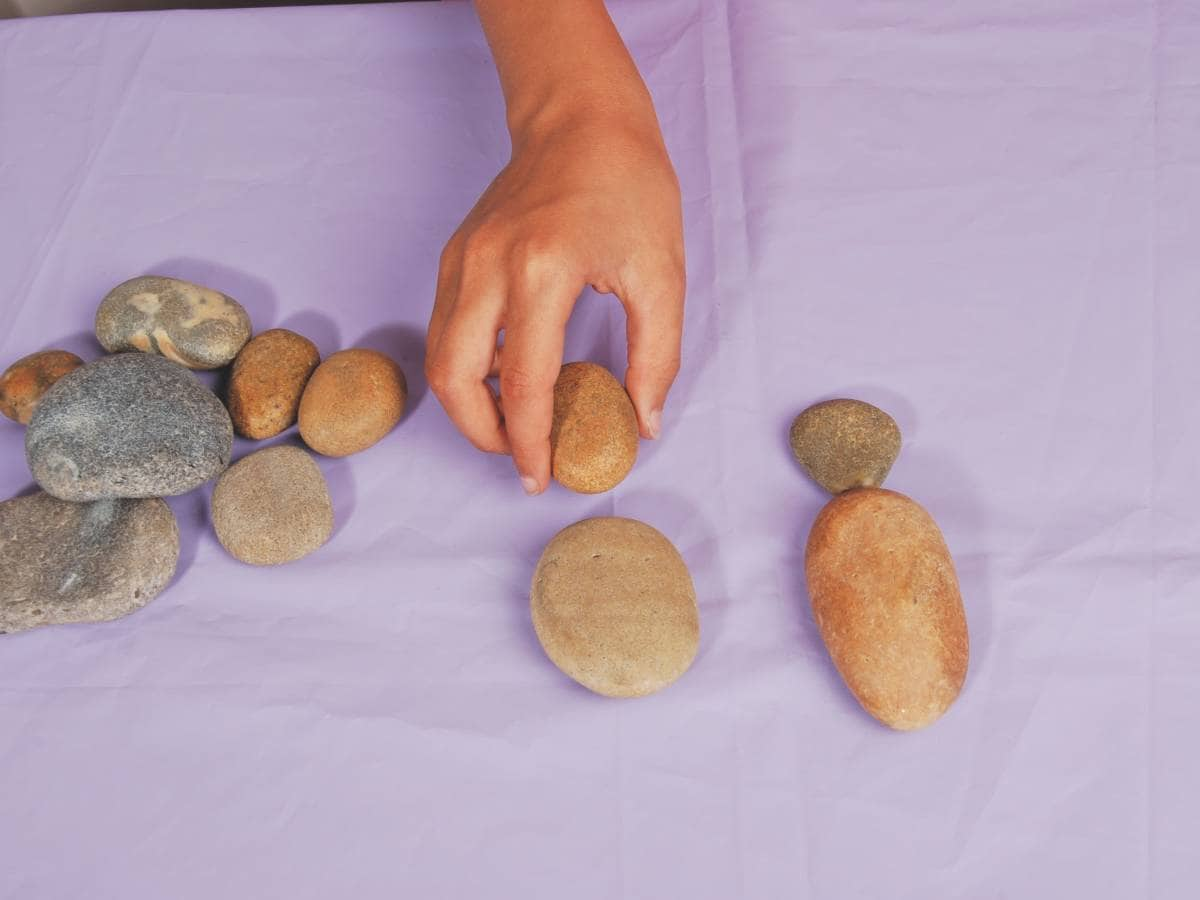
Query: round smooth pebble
point(130, 425)
point(188, 324)
point(845, 444)
point(272, 507)
point(886, 600)
point(353, 399)
point(24, 382)
point(614, 607)
point(268, 380)
point(594, 434)
point(63, 562)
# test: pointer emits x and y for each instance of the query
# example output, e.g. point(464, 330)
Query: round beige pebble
point(24, 382)
point(594, 434)
point(845, 444)
point(268, 380)
point(272, 507)
point(614, 607)
point(351, 402)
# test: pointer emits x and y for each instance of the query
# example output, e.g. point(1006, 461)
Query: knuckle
point(439, 375)
point(537, 260)
point(519, 382)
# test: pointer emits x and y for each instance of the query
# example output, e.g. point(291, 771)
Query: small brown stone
point(614, 607)
point(845, 444)
point(24, 382)
point(886, 600)
point(352, 400)
point(268, 380)
point(594, 435)
point(272, 507)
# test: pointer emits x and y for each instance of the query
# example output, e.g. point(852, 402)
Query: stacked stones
point(882, 584)
point(107, 440)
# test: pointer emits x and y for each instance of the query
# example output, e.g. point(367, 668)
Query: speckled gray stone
point(131, 425)
point(192, 325)
point(845, 444)
point(66, 562)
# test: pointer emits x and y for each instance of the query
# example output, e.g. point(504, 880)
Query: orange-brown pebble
point(268, 380)
point(886, 600)
point(24, 382)
point(594, 434)
point(351, 401)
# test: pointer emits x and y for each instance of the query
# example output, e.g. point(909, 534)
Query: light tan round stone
point(272, 507)
point(351, 402)
point(614, 607)
point(594, 435)
point(268, 380)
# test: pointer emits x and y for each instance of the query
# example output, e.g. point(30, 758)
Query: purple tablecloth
point(981, 216)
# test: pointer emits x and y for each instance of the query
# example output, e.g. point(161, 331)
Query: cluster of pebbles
point(106, 440)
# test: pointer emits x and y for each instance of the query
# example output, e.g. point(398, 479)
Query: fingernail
point(654, 423)
point(530, 484)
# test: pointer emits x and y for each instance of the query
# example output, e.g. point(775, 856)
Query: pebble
point(130, 425)
point(24, 382)
point(594, 435)
point(352, 400)
point(66, 562)
point(188, 324)
point(272, 507)
point(845, 444)
point(614, 607)
point(886, 600)
point(267, 381)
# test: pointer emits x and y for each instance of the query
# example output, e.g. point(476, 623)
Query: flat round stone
point(614, 607)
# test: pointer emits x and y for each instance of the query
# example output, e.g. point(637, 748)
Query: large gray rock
point(66, 562)
point(131, 425)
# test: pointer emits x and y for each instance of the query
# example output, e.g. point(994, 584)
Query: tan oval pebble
point(594, 435)
point(24, 382)
point(845, 444)
point(272, 507)
point(188, 324)
point(268, 380)
point(886, 600)
point(614, 607)
point(351, 402)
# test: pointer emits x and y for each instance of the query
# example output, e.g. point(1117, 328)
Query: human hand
point(588, 198)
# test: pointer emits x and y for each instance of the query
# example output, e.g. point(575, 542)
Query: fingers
point(654, 316)
point(462, 342)
point(532, 357)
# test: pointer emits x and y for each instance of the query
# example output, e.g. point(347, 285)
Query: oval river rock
point(845, 444)
point(352, 401)
point(64, 562)
point(614, 607)
point(189, 324)
point(131, 425)
point(594, 435)
point(272, 507)
point(24, 382)
point(886, 600)
point(268, 380)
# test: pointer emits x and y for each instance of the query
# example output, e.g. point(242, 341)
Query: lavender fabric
point(981, 216)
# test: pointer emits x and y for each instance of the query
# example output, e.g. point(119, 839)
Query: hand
point(589, 197)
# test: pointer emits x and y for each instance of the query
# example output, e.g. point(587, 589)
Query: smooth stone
point(188, 324)
point(268, 380)
point(885, 597)
point(272, 507)
point(24, 382)
point(594, 435)
point(131, 425)
point(353, 399)
point(614, 607)
point(64, 562)
point(845, 444)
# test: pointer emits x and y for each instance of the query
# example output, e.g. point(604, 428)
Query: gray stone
point(192, 325)
point(845, 444)
point(131, 425)
point(66, 562)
